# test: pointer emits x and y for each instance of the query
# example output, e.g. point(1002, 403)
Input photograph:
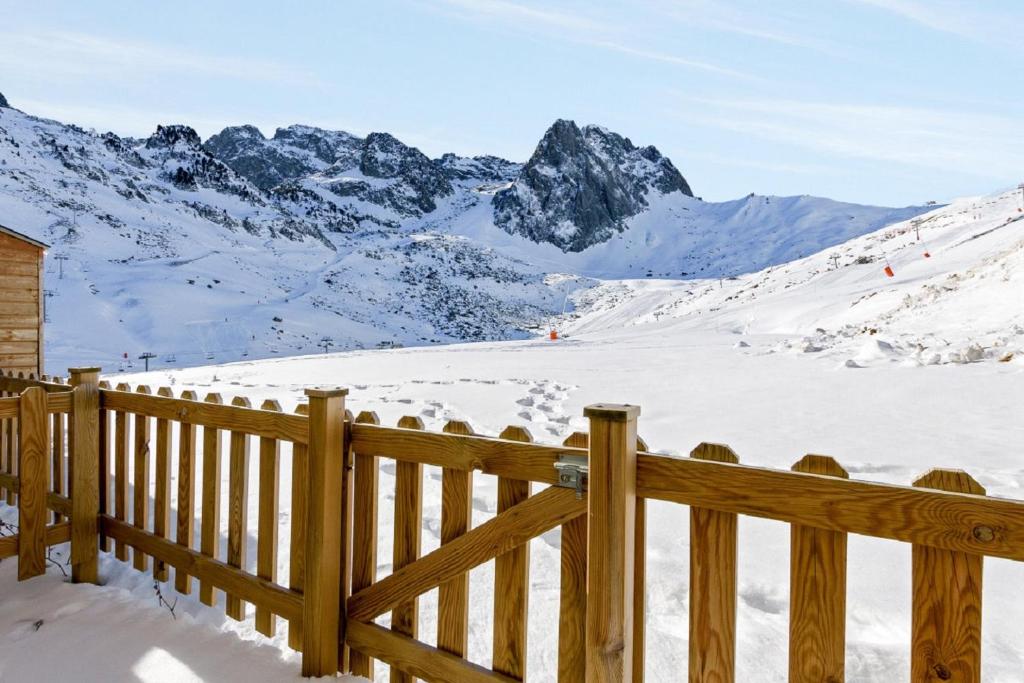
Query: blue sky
point(876, 101)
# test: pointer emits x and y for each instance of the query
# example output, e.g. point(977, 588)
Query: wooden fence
point(594, 487)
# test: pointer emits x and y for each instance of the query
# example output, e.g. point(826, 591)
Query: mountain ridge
point(346, 244)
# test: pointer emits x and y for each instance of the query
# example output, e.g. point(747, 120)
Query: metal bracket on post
point(573, 473)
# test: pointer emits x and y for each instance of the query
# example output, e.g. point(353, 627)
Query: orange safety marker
point(888, 270)
point(554, 335)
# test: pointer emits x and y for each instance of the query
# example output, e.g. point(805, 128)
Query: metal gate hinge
point(573, 473)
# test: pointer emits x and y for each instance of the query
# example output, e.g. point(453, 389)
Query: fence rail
point(115, 485)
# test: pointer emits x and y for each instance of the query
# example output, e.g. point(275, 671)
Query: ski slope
point(964, 302)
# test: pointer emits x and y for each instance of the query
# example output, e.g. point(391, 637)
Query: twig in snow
point(161, 600)
point(55, 563)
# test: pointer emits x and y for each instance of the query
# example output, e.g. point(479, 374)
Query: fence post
point(34, 476)
point(322, 612)
point(945, 622)
point(84, 453)
point(611, 543)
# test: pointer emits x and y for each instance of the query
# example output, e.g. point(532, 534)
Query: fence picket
point(12, 455)
point(408, 527)
point(712, 584)
point(511, 580)
point(266, 522)
point(162, 478)
point(364, 532)
point(572, 607)
point(456, 519)
point(946, 616)
point(57, 456)
point(140, 516)
point(238, 506)
point(121, 436)
point(185, 528)
point(209, 541)
point(105, 437)
point(323, 629)
point(4, 426)
point(817, 593)
point(611, 506)
point(33, 472)
point(297, 547)
point(84, 471)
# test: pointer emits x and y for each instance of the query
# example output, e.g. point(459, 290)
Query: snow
point(703, 368)
point(777, 349)
point(55, 630)
point(138, 246)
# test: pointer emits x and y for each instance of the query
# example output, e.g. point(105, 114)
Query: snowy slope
point(963, 303)
point(889, 423)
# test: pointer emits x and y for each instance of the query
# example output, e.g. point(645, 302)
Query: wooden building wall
point(21, 305)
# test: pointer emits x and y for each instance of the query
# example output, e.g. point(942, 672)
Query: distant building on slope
point(21, 302)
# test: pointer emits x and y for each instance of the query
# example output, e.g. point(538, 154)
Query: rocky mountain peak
point(3, 102)
point(329, 146)
point(486, 168)
point(384, 156)
point(174, 137)
point(581, 185)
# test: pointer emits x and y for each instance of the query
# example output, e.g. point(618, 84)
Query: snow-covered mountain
point(956, 294)
point(279, 242)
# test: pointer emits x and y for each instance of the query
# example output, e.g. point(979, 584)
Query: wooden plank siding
point(21, 290)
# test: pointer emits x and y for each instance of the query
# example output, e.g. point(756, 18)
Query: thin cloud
point(574, 28)
point(980, 144)
point(719, 16)
point(65, 54)
point(965, 19)
point(512, 11)
point(666, 58)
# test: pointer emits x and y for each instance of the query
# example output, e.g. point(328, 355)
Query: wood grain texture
point(229, 418)
point(140, 514)
point(937, 518)
point(209, 531)
point(162, 484)
point(121, 482)
point(713, 540)
point(456, 518)
point(639, 585)
point(266, 523)
point(297, 542)
point(106, 437)
point(33, 471)
point(572, 606)
point(946, 613)
point(55, 535)
point(238, 506)
point(611, 509)
point(251, 588)
point(57, 440)
point(817, 593)
point(366, 482)
point(185, 528)
point(511, 580)
point(413, 658)
point(8, 412)
point(322, 630)
point(84, 470)
point(408, 528)
point(529, 461)
point(516, 526)
point(12, 456)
